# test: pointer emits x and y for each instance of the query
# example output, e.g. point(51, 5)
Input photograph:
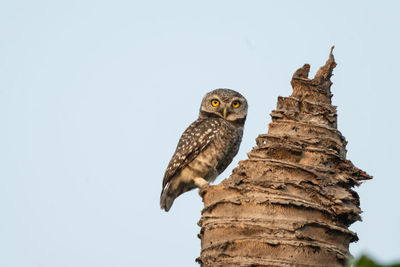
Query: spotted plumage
point(207, 146)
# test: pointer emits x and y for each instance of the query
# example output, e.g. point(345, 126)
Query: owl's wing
point(194, 140)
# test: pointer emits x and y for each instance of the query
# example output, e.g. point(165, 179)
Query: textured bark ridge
point(291, 202)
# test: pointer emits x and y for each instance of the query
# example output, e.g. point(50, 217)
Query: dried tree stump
point(291, 202)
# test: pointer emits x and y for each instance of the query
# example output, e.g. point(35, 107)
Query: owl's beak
point(225, 112)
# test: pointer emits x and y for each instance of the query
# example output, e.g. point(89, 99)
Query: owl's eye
point(215, 103)
point(236, 104)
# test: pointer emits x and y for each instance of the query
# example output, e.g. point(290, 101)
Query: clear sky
point(94, 96)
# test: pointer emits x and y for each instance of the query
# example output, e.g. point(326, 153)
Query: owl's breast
point(218, 154)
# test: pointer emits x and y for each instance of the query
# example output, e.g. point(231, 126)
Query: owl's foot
point(203, 190)
point(202, 184)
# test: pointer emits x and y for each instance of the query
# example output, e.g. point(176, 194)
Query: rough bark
point(291, 202)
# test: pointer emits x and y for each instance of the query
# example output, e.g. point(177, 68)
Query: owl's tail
point(166, 199)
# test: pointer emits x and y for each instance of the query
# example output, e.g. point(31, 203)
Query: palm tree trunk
point(291, 202)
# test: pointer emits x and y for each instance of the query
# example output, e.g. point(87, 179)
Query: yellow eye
point(235, 104)
point(215, 103)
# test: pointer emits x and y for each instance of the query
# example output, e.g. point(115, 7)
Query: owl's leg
point(200, 182)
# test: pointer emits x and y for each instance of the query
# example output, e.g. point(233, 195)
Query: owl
point(207, 146)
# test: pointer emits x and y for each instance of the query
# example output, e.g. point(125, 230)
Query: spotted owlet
point(207, 146)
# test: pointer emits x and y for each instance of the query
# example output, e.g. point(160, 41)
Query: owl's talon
point(202, 184)
point(203, 190)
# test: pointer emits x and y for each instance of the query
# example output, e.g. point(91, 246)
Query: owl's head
point(225, 103)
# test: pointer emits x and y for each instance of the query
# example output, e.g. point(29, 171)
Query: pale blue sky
point(95, 94)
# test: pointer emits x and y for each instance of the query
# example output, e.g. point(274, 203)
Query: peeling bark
point(291, 202)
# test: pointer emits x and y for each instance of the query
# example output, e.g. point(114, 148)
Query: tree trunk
point(291, 202)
